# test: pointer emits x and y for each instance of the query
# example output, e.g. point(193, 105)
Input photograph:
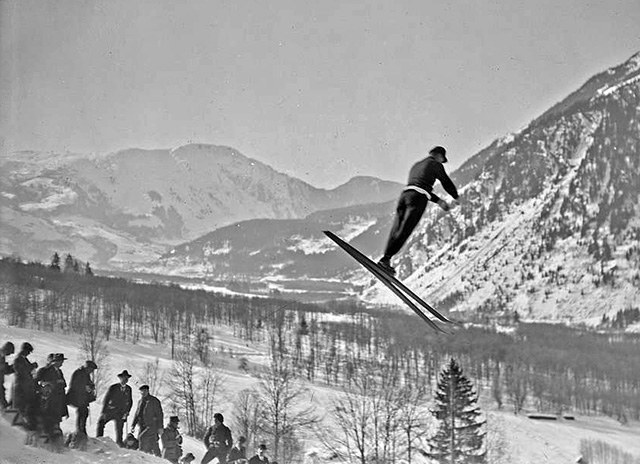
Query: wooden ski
point(397, 287)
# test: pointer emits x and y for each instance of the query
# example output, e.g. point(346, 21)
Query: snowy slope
point(528, 441)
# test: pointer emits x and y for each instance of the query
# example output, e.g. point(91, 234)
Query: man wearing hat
point(414, 199)
point(116, 406)
point(5, 369)
point(24, 387)
point(53, 404)
point(82, 392)
point(149, 417)
point(259, 457)
point(172, 441)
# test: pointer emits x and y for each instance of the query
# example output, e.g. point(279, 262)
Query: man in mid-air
point(414, 199)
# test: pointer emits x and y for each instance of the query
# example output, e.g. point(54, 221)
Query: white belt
point(419, 190)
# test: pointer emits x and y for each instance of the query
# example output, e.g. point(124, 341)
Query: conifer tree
point(87, 269)
point(459, 439)
point(68, 263)
point(55, 262)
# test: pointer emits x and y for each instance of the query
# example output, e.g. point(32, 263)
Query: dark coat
point(82, 389)
point(56, 404)
point(237, 452)
point(24, 387)
point(118, 401)
point(218, 436)
point(256, 460)
point(171, 443)
point(149, 414)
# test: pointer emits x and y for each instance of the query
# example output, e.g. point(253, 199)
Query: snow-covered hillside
point(526, 441)
point(127, 207)
point(548, 226)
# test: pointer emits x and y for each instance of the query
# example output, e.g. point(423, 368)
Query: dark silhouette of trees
point(55, 262)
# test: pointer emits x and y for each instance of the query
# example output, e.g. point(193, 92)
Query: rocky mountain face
point(549, 224)
point(129, 206)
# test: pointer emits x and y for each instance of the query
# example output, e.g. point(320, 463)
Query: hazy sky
point(323, 90)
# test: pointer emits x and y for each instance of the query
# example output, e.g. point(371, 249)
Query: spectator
point(53, 405)
point(172, 441)
point(260, 457)
point(149, 418)
point(5, 369)
point(116, 406)
point(82, 392)
point(131, 442)
point(239, 451)
point(217, 440)
point(24, 388)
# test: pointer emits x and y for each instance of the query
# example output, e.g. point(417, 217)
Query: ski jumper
point(414, 199)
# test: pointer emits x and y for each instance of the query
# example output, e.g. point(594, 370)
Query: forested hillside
point(550, 367)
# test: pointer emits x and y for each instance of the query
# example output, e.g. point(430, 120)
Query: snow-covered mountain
point(549, 224)
point(129, 206)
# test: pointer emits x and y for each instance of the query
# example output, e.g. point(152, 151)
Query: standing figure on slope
point(25, 399)
point(218, 441)
point(414, 199)
point(53, 403)
point(150, 418)
point(5, 369)
point(82, 392)
point(116, 406)
point(172, 441)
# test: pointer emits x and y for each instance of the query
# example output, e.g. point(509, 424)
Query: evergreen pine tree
point(55, 262)
point(459, 439)
point(87, 269)
point(68, 263)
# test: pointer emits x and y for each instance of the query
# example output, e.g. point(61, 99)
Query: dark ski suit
point(414, 199)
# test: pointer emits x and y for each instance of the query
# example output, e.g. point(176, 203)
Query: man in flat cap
point(82, 392)
point(116, 406)
point(150, 419)
point(172, 441)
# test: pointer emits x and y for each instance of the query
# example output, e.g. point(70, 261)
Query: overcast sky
point(324, 90)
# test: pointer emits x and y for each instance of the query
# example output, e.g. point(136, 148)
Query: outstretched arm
point(447, 183)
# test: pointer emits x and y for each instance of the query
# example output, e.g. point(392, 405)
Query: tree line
point(551, 368)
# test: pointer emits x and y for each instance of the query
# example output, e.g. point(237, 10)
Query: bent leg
point(410, 209)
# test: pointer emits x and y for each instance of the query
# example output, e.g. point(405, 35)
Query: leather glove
point(444, 205)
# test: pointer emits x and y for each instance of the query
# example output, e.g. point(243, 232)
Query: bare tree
point(376, 417)
point(281, 394)
point(153, 376)
point(246, 415)
point(194, 391)
point(95, 348)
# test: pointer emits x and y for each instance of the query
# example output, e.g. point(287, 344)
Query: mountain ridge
point(549, 226)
